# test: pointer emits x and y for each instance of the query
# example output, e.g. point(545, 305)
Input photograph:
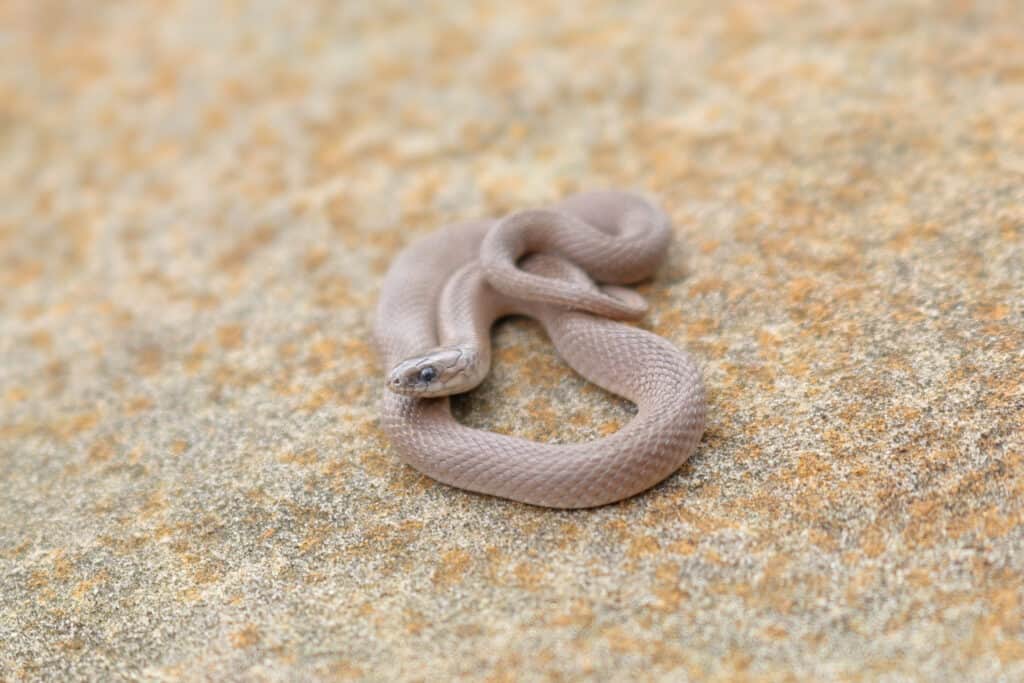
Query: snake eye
point(428, 375)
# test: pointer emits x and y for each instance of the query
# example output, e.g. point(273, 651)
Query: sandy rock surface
point(197, 206)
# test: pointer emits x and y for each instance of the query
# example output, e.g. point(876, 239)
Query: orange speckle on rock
point(527, 576)
point(992, 311)
point(452, 567)
point(345, 671)
point(236, 257)
point(995, 524)
point(579, 614)
point(24, 273)
point(621, 642)
point(314, 538)
point(149, 360)
point(76, 424)
point(811, 466)
point(246, 637)
point(137, 405)
point(315, 258)
point(708, 246)
point(1010, 650)
point(708, 285)
point(643, 546)
point(333, 291)
point(230, 336)
point(195, 358)
point(872, 542)
point(82, 588)
point(307, 457)
point(102, 450)
point(15, 394)
point(214, 118)
point(800, 289)
point(41, 339)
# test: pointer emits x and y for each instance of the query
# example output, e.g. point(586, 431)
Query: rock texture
point(198, 201)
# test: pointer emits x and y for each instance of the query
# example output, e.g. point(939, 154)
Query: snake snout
point(394, 380)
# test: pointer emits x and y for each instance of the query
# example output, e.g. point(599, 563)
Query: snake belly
point(612, 237)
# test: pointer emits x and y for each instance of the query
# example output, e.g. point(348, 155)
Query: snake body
point(565, 266)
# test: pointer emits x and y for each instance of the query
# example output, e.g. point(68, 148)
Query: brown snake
point(445, 290)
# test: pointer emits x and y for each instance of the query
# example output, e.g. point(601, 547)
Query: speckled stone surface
point(198, 202)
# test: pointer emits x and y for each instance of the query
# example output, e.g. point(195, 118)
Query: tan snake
point(445, 290)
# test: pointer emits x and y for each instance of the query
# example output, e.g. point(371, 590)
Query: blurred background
point(198, 202)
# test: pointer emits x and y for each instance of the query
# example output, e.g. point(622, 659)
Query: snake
point(568, 265)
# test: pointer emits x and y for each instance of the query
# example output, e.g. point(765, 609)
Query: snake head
point(441, 372)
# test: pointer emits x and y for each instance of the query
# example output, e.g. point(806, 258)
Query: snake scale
point(565, 265)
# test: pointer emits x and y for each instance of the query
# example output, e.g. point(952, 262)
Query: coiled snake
point(445, 290)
